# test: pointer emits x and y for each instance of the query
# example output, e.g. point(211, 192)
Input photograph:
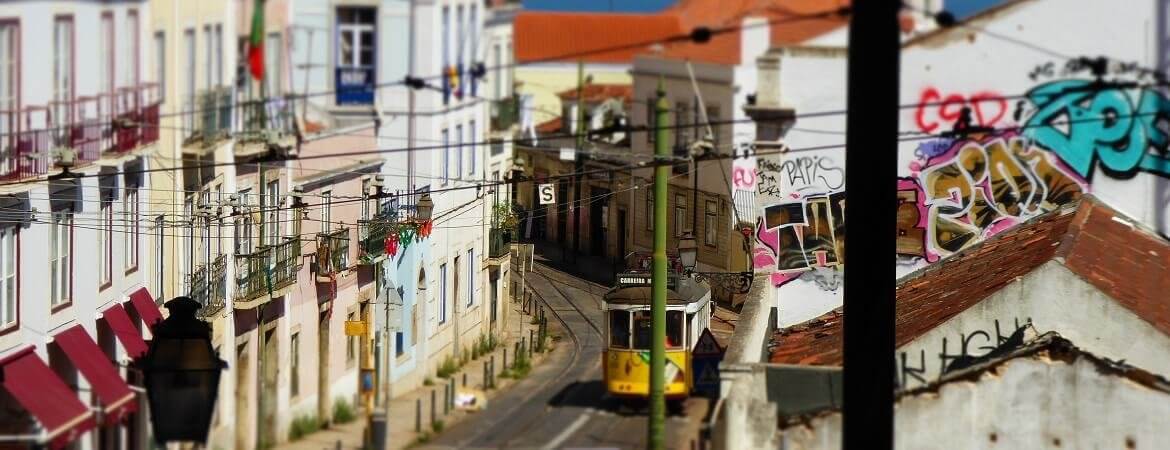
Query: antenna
point(710, 136)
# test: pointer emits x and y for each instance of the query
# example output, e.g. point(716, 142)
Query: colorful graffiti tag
point(977, 188)
point(935, 110)
point(1084, 123)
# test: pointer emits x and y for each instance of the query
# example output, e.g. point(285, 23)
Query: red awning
point(46, 397)
point(130, 337)
point(144, 304)
point(115, 396)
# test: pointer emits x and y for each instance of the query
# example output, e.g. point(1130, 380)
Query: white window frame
point(160, 63)
point(132, 227)
point(442, 293)
point(470, 277)
point(710, 223)
point(446, 135)
point(64, 40)
point(355, 30)
point(60, 257)
point(471, 146)
point(272, 212)
point(459, 151)
point(9, 268)
point(106, 243)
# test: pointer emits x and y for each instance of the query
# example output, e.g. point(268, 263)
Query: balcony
point(270, 271)
point(499, 242)
point(504, 114)
point(207, 120)
point(267, 126)
point(135, 116)
point(372, 235)
point(208, 286)
point(332, 254)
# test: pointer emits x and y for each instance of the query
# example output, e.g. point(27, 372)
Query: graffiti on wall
point(802, 236)
point(976, 188)
point(936, 111)
point(916, 367)
point(1120, 130)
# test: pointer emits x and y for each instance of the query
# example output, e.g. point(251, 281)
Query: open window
point(674, 329)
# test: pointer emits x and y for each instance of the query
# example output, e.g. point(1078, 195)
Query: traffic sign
point(707, 346)
point(548, 194)
point(705, 370)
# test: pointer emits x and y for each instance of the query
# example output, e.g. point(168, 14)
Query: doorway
point(621, 228)
point(269, 366)
point(598, 216)
point(323, 394)
point(243, 363)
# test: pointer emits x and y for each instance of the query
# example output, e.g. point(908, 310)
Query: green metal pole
point(658, 287)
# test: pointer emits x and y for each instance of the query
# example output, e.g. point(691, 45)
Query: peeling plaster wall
point(1055, 299)
point(1074, 406)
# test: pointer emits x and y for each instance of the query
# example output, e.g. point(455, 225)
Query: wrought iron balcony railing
point(208, 286)
point(269, 268)
point(372, 235)
point(265, 120)
point(332, 254)
point(213, 110)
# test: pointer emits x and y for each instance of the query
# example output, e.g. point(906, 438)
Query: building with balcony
point(74, 247)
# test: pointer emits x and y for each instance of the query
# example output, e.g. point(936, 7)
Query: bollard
point(464, 379)
point(515, 351)
point(492, 370)
point(485, 375)
point(418, 416)
point(531, 342)
point(505, 364)
point(446, 399)
point(432, 407)
point(451, 382)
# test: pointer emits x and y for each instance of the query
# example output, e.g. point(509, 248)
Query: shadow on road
point(581, 394)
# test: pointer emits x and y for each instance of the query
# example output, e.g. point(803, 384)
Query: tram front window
point(619, 329)
point(643, 326)
point(674, 329)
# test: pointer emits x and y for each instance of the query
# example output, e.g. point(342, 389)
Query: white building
point(74, 248)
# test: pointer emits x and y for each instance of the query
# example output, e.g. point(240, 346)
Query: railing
point(214, 114)
point(332, 253)
point(24, 151)
point(267, 269)
point(208, 286)
point(498, 240)
point(504, 113)
point(372, 237)
point(262, 117)
point(135, 118)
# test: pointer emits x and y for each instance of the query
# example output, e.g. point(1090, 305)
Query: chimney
point(772, 118)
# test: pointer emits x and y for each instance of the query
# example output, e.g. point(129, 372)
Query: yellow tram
point(626, 358)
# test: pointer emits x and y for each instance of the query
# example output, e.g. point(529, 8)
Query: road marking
point(564, 434)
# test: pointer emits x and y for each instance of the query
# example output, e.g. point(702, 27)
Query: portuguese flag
point(256, 41)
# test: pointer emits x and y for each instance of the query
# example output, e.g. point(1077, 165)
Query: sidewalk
point(415, 408)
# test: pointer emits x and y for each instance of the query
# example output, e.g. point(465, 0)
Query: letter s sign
point(548, 195)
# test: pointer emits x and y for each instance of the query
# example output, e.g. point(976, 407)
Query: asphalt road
point(562, 403)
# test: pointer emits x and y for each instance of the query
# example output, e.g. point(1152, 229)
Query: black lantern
point(424, 207)
point(688, 251)
point(182, 373)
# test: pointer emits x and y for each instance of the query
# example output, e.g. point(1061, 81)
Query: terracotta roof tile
point(543, 36)
point(1115, 257)
point(600, 92)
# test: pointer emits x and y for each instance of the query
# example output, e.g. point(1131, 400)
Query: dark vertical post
point(505, 361)
point(446, 398)
point(432, 407)
point(871, 144)
point(418, 415)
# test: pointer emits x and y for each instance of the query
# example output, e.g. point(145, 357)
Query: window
point(470, 276)
point(272, 213)
point(9, 51)
point(399, 342)
point(446, 52)
point(710, 216)
point(649, 208)
point(674, 329)
point(713, 118)
point(680, 213)
point(442, 293)
point(105, 242)
point(294, 348)
point(497, 77)
point(642, 328)
point(274, 49)
point(189, 83)
point(446, 156)
point(351, 342)
point(160, 63)
point(244, 227)
point(471, 147)
point(619, 329)
point(218, 60)
point(160, 254)
point(684, 125)
point(458, 151)
point(460, 41)
point(355, 28)
point(651, 118)
point(60, 264)
point(208, 55)
point(130, 68)
point(327, 211)
point(131, 226)
point(63, 67)
point(7, 276)
point(106, 57)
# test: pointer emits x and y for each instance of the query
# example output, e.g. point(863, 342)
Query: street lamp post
point(181, 371)
point(658, 274)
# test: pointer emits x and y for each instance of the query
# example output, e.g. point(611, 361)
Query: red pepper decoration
point(392, 244)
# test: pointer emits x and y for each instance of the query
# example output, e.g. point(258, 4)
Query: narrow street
point(562, 403)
